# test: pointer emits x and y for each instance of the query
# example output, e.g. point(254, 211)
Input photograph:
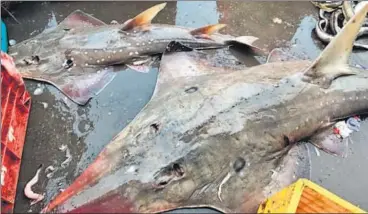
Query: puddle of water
point(303, 45)
point(116, 106)
point(196, 13)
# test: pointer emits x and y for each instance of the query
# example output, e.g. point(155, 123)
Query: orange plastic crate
point(15, 109)
point(304, 196)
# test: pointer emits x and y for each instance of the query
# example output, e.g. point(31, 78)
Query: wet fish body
point(109, 45)
point(82, 54)
point(220, 137)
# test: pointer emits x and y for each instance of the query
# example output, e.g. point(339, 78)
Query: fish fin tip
point(333, 61)
point(279, 55)
point(329, 142)
point(82, 88)
point(246, 39)
point(207, 30)
point(248, 42)
point(144, 17)
point(79, 18)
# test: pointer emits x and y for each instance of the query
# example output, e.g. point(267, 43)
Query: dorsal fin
point(207, 30)
point(248, 43)
point(143, 18)
point(79, 18)
point(333, 61)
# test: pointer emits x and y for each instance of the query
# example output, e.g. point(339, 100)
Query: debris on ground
point(38, 91)
point(28, 189)
point(45, 105)
point(12, 42)
point(63, 147)
point(68, 156)
point(277, 20)
point(50, 171)
point(344, 128)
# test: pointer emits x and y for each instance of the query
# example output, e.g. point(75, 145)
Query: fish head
point(201, 178)
point(158, 163)
point(199, 143)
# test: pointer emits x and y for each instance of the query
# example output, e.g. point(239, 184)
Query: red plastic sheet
point(15, 109)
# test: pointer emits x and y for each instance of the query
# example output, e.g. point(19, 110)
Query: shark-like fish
point(212, 136)
point(82, 54)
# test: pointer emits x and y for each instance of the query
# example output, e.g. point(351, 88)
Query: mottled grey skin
point(110, 45)
point(97, 51)
point(200, 120)
point(213, 129)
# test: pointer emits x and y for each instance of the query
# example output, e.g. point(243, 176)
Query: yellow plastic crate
point(304, 196)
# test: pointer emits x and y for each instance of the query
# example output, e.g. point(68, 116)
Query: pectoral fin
point(333, 61)
point(84, 86)
point(329, 142)
point(248, 43)
point(80, 84)
point(143, 18)
point(80, 19)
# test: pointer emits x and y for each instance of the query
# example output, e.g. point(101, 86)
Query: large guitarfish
point(78, 55)
point(222, 138)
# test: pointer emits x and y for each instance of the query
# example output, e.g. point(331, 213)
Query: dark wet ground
point(87, 129)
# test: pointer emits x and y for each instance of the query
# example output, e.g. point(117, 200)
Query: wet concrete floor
point(86, 130)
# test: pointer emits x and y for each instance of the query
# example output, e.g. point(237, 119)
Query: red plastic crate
point(15, 109)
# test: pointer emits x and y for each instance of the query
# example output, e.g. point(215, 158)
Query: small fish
point(28, 192)
point(212, 136)
point(335, 18)
point(328, 6)
point(325, 37)
point(82, 54)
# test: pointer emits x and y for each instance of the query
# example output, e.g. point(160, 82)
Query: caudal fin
point(333, 61)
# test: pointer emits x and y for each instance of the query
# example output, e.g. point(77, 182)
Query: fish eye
point(191, 89)
point(168, 174)
point(155, 127)
point(68, 64)
point(36, 59)
point(239, 164)
point(178, 170)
